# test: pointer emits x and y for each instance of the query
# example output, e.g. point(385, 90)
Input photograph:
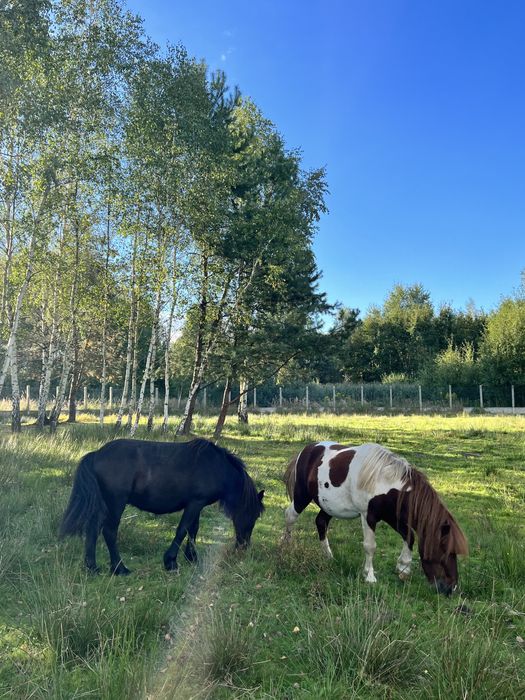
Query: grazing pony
point(159, 477)
point(370, 481)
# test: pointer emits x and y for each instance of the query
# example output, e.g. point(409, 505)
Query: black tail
point(86, 504)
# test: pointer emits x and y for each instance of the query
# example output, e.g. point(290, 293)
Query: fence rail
point(337, 398)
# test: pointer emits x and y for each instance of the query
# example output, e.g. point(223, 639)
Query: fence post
point(307, 400)
point(110, 398)
point(229, 397)
point(420, 398)
point(481, 395)
point(391, 398)
point(362, 395)
point(450, 396)
point(85, 398)
point(156, 396)
point(513, 402)
point(205, 397)
point(280, 397)
point(254, 397)
point(28, 399)
point(333, 397)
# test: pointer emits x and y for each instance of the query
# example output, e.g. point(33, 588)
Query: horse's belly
point(337, 505)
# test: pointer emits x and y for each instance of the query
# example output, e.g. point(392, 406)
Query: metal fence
point(337, 398)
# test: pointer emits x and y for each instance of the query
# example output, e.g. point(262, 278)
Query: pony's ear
point(261, 495)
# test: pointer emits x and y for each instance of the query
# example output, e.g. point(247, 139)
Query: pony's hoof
point(404, 575)
point(170, 565)
point(93, 570)
point(120, 570)
point(370, 578)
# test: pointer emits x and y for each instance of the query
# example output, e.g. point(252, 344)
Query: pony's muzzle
point(445, 588)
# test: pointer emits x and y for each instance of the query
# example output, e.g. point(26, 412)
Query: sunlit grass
point(275, 622)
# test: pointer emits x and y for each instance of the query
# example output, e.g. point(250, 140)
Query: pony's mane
point(248, 499)
point(380, 462)
point(428, 514)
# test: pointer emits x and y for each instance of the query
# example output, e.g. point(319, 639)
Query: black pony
point(159, 477)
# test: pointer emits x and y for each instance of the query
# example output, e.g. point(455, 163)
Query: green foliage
point(503, 348)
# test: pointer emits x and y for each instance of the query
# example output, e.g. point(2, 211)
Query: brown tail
point(289, 477)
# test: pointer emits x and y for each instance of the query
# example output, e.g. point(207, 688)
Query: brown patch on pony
point(301, 475)
point(339, 466)
point(338, 447)
point(428, 515)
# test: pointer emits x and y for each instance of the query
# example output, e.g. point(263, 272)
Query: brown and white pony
point(370, 481)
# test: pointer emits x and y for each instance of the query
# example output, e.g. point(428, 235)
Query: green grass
point(274, 622)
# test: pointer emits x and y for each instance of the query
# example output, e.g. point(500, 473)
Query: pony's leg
point(404, 561)
point(290, 516)
point(322, 521)
point(191, 512)
point(109, 530)
point(90, 558)
point(369, 543)
point(190, 552)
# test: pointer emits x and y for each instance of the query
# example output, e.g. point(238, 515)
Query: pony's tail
point(289, 477)
point(86, 506)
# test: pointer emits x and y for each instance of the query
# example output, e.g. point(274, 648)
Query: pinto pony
point(370, 481)
point(159, 477)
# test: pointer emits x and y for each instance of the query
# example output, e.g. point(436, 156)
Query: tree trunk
point(167, 350)
point(16, 421)
point(242, 407)
point(151, 412)
point(131, 335)
point(203, 353)
point(224, 409)
point(149, 368)
point(133, 396)
point(22, 291)
point(105, 322)
point(61, 394)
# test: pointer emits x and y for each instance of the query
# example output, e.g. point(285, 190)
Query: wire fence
point(336, 398)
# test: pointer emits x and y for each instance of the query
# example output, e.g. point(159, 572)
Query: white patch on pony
point(325, 546)
point(290, 516)
point(404, 562)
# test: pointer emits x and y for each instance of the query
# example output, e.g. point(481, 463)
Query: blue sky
point(417, 110)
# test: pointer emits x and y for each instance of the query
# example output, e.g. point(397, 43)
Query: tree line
point(407, 339)
point(141, 198)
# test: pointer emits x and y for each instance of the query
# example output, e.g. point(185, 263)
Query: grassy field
point(275, 622)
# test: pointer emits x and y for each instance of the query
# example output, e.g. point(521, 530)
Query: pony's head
point(440, 537)
point(245, 516)
point(439, 557)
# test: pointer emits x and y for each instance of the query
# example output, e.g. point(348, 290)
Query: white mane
point(380, 462)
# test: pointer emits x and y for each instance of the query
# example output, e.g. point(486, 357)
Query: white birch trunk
point(105, 324)
point(11, 343)
point(151, 411)
point(167, 351)
point(242, 408)
point(62, 387)
point(22, 293)
point(129, 350)
point(16, 422)
point(148, 369)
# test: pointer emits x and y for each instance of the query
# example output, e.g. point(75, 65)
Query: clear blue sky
point(417, 110)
